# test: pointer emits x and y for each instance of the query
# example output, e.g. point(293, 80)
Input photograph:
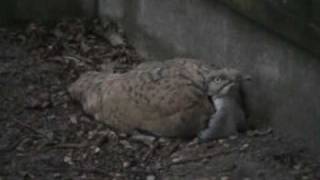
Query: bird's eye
point(217, 80)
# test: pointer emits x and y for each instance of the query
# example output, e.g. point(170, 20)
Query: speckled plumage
point(168, 98)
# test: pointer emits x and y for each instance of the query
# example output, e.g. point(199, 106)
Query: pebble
point(33, 103)
point(163, 140)
point(91, 134)
point(68, 160)
point(97, 150)
point(84, 176)
point(30, 89)
point(244, 147)
point(126, 164)
point(126, 144)
point(150, 177)
point(73, 119)
point(144, 139)
point(306, 178)
point(225, 178)
point(177, 159)
point(115, 39)
point(297, 167)
point(51, 117)
point(226, 145)
point(56, 175)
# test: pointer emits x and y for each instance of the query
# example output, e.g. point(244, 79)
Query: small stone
point(305, 178)
point(177, 159)
point(163, 140)
point(84, 47)
point(193, 142)
point(61, 93)
point(30, 89)
point(244, 147)
point(97, 150)
point(56, 175)
point(84, 176)
point(45, 104)
point(150, 177)
point(84, 119)
point(126, 144)
point(84, 156)
point(73, 119)
point(65, 105)
point(91, 134)
point(157, 166)
point(126, 164)
point(50, 135)
point(115, 39)
point(204, 160)
point(68, 160)
point(233, 137)
point(226, 145)
point(123, 135)
point(225, 178)
point(144, 139)
point(80, 133)
point(51, 117)
point(297, 167)
point(111, 135)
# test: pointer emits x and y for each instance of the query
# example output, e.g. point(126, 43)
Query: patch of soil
point(45, 135)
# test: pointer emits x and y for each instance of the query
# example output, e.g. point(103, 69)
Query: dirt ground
point(45, 135)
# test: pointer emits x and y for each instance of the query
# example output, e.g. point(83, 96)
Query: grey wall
point(293, 19)
point(286, 86)
point(13, 12)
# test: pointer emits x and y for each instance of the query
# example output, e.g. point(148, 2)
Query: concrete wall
point(13, 12)
point(286, 85)
point(295, 20)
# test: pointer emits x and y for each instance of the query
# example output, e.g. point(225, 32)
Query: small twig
point(70, 146)
point(150, 152)
point(30, 128)
point(91, 170)
point(174, 149)
point(11, 147)
point(199, 158)
point(101, 140)
point(78, 59)
point(81, 170)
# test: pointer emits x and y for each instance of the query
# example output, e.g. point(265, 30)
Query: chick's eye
point(217, 80)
